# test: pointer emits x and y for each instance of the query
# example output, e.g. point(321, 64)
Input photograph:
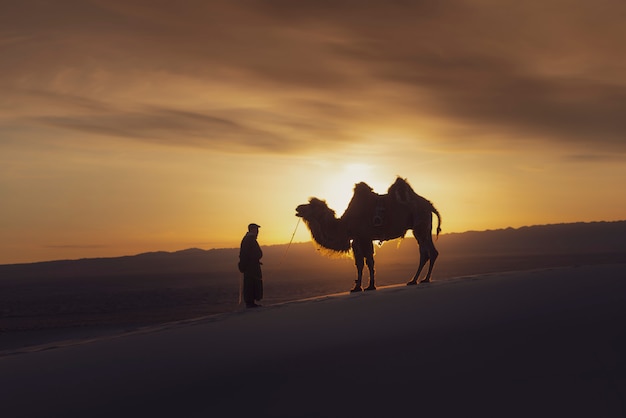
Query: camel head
point(326, 229)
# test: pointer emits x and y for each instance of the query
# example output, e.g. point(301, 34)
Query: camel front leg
point(357, 253)
point(359, 275)
point(370, 265)
point(367, 251)
point(363, 249)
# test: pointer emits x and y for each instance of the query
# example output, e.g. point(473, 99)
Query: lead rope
point(289, 245)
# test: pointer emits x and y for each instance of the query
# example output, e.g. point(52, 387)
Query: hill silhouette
point(163, 286)
point(558, 239)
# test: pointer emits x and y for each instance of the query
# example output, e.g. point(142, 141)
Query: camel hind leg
point(432, 256)
point(428, 253)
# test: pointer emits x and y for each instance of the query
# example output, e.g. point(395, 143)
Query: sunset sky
point(129, 126)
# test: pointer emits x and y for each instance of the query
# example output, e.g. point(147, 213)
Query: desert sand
point(548, 342)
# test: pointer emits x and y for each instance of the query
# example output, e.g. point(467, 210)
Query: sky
point(129, 126)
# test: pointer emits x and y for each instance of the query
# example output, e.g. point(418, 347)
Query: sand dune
point(540, 343)
point(52, 301)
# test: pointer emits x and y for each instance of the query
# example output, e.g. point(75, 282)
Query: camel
point(374, 217)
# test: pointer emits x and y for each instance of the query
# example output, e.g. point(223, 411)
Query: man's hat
point(253, 226)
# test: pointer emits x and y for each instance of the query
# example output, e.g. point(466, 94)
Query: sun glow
point(340, 184)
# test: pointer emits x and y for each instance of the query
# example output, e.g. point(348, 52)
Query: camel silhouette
point(374, 217)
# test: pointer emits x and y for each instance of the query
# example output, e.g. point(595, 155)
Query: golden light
point(340, 184)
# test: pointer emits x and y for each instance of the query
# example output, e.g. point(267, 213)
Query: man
point(250, 265)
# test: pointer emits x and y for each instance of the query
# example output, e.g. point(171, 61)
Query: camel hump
point(402, 191)
point(361, 188)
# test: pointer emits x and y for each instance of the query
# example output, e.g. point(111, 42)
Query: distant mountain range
point(558, 239)
point(159, 287)
point(593, 237)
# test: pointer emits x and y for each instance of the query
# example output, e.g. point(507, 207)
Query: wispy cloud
point(172, 126)
point(313, 71)
point(77, 246)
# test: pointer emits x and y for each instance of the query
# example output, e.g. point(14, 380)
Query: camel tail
point(436, 212)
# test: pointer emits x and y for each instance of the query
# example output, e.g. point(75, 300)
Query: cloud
point(263, 131)
point(495, 95)
point(597, 157)
point(285, 76)
point(170, 126)
point(77, 246)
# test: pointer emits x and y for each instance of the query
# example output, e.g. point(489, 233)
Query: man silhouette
point(250, 265)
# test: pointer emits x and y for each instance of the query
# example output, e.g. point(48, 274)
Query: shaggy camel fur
point(374, 217)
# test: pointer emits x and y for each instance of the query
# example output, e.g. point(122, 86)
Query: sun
point(339, 185)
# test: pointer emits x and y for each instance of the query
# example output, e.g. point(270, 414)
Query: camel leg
point(432, 254)
point(359, 275)
point(428, 253)
point(424, 257)
point(369, 259)
point(358, 260)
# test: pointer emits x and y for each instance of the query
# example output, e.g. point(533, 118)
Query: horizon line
point(285, 244)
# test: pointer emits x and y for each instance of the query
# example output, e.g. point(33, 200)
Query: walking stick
point(240, 289)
